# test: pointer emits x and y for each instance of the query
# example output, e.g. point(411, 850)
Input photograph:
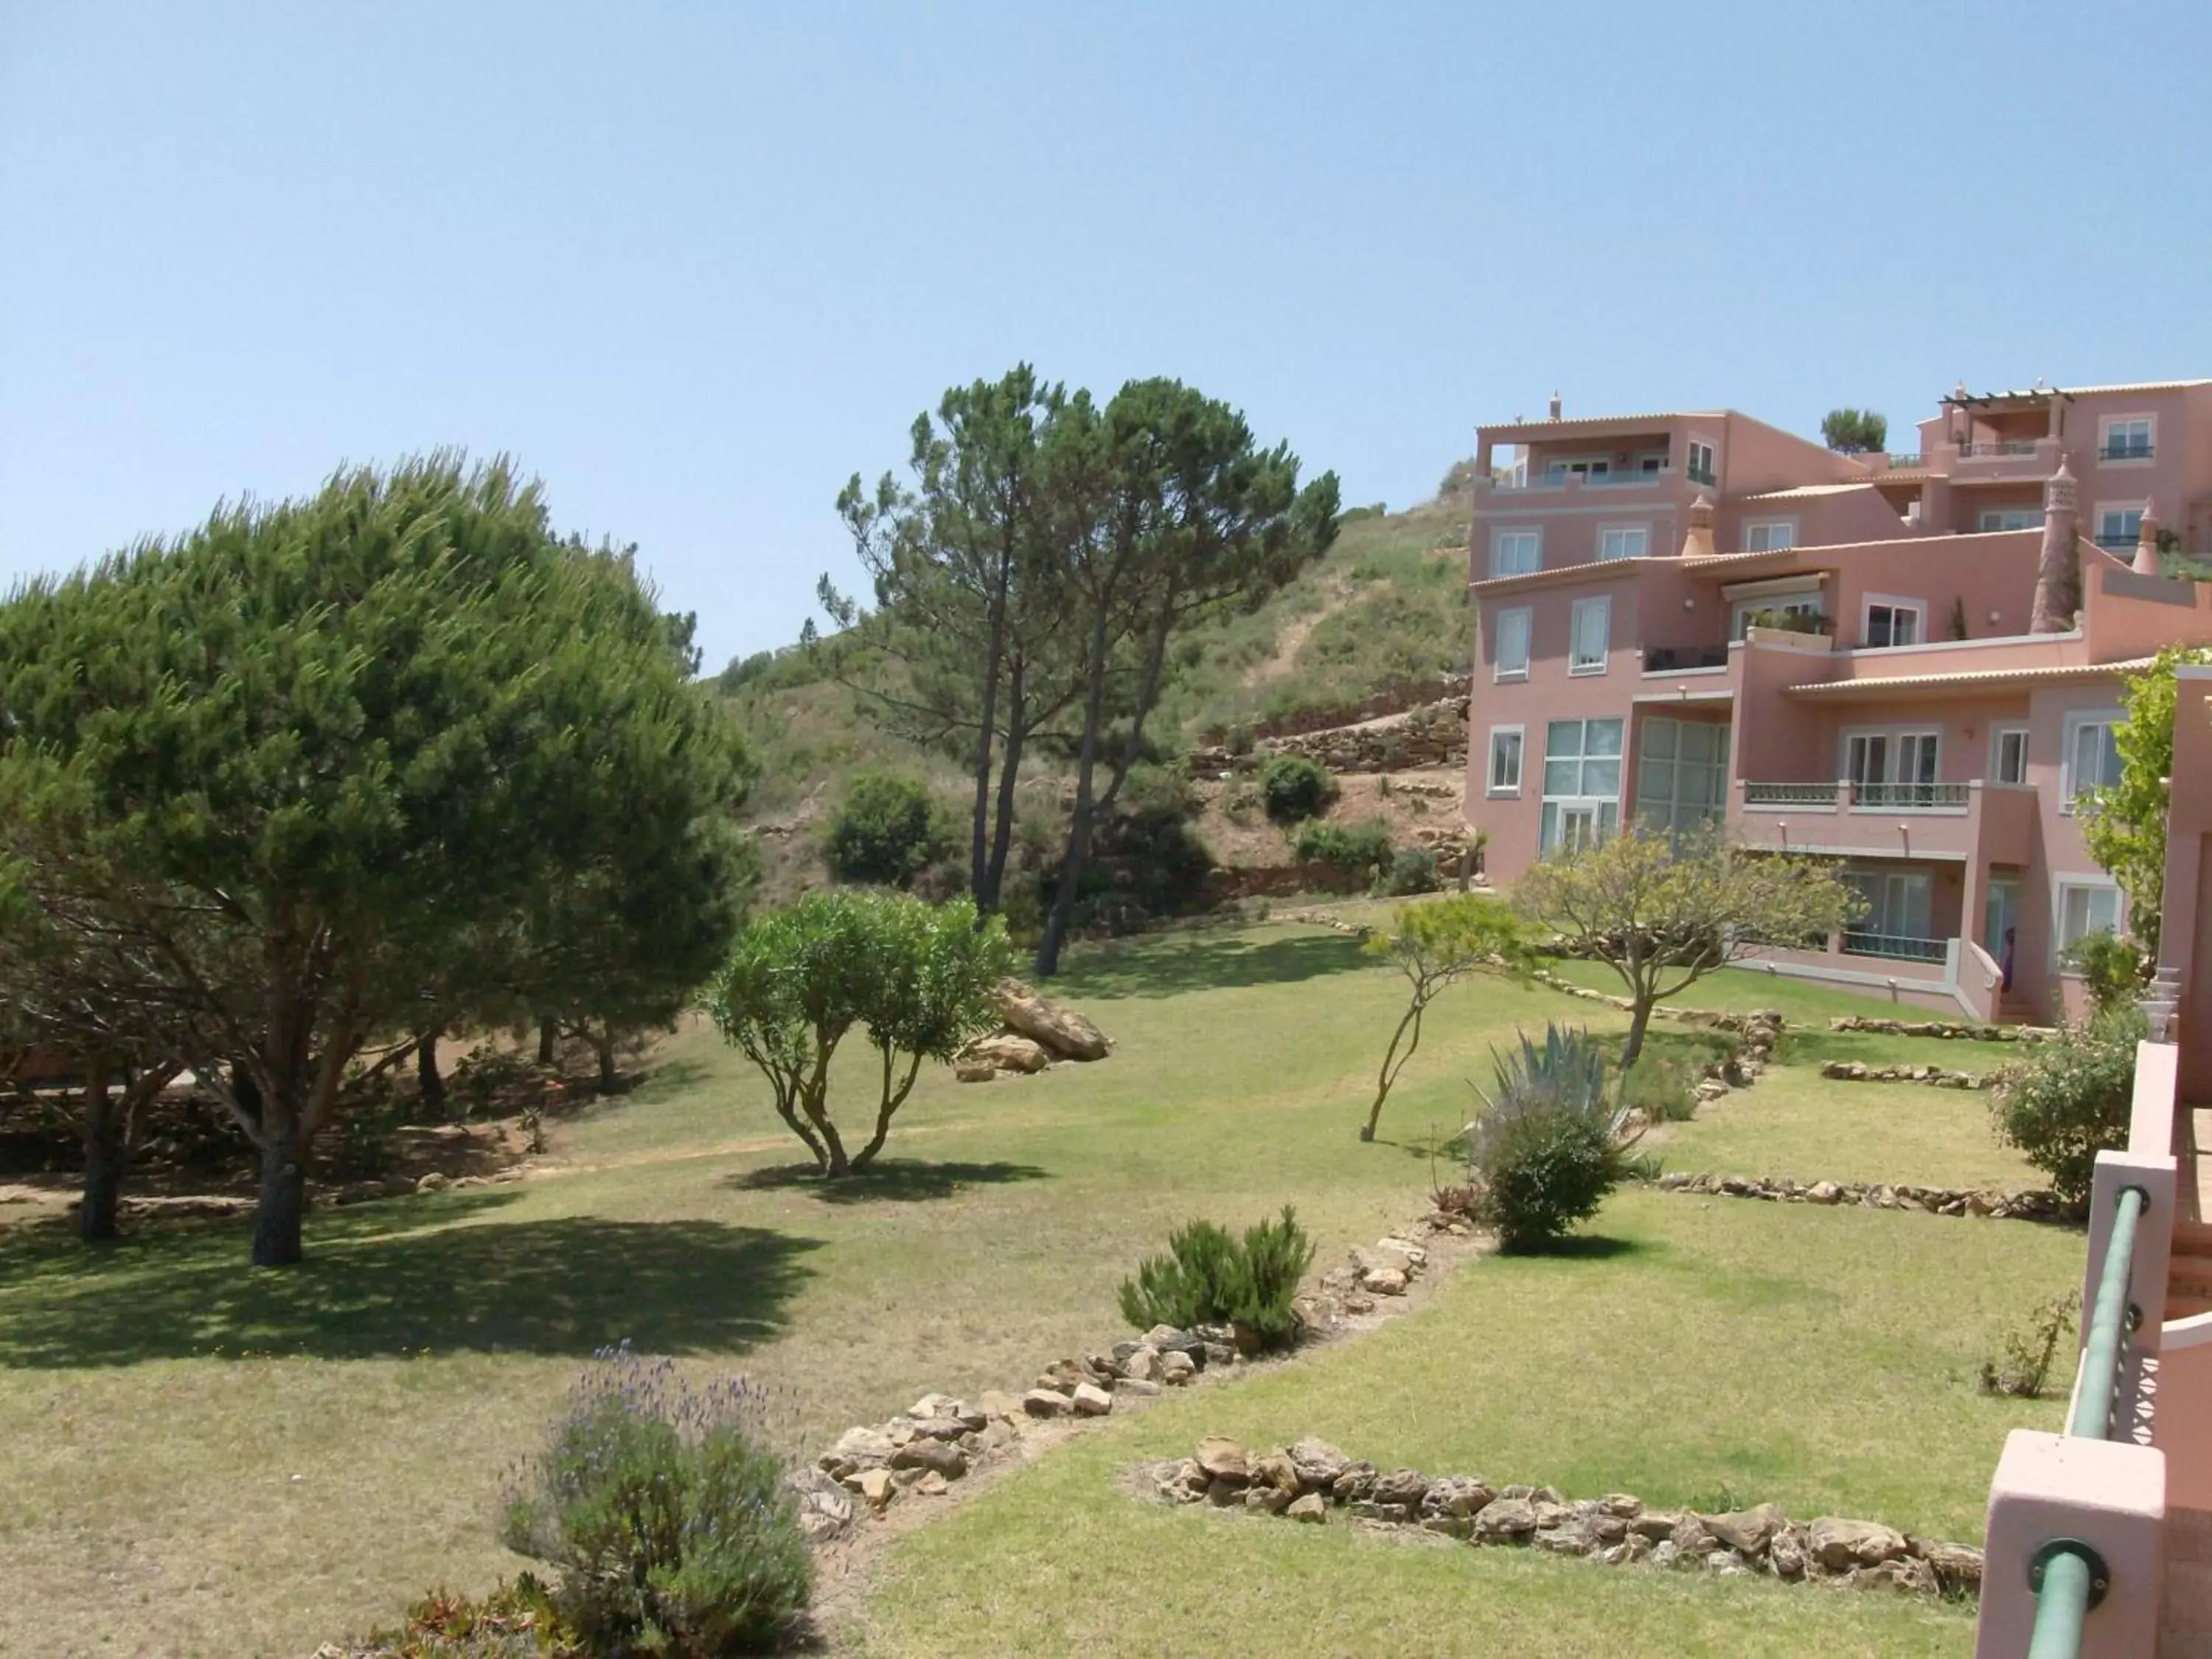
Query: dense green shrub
point(2071, 1100)
point(886, 830)
point(1541, 1173)
point(1414, 870)
point(1209, 1277)
point(2111, 967)
point(1148, 860)
point(1296, 788)
point(1361, 852)
point(1547, 1148)
point(666, 1514)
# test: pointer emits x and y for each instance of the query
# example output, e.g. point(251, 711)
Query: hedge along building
point(1909, 662)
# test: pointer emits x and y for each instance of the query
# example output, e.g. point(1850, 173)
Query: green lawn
point(198, 1460)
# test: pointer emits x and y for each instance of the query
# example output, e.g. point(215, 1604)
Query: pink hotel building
point(1698, 618)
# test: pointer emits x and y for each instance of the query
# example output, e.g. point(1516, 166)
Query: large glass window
point(2009, 518)
point(1582, 782)
point(1771, 535)
point(1512, 644)
point(1701, 463)
point(1681, 774)
point(2008, 754)
point(1516, 552)
point(1591, 636)
point(2119, 526)
point(1624, 541)
point(1794, 605)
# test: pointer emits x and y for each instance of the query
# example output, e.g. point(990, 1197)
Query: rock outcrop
point(1037, 1033)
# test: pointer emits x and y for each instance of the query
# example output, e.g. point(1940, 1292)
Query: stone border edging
point(941, 1439)
point(1932, 1077)
point(1311, 1477)
point(1948, 1030)
point(1994, 1203)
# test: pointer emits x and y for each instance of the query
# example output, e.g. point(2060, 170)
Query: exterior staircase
point(2185, 1615)
point(2189, 1272)
point(2013, 1009)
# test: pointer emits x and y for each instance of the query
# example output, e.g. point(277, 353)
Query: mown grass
point(195, 1460)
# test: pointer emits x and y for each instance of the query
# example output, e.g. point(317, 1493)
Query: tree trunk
point(1639, 1017)
point(986, 732)
point(283, 1197)
point(1388, 1076)
point(427, 1073)
point(549, 1038)
point(892, 1100)
point(1078, 830)
point(106, 1155)
point(602, 1045)
point(1002, 835)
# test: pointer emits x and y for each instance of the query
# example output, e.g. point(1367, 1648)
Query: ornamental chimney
point(2146, 562)
point(2059, 569)
point(1555, 405)
point(1698, 543)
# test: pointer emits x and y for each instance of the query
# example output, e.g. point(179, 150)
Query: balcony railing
point(2115, 544)
point(1896, 947)
point(1621, 480)
point(1909, 797)
point(1822, 795)
point(1913, 459)
point(2124, 453)
point(1999, 447)
point(1674, 659)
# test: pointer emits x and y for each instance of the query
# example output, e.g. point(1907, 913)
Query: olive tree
point(917, 981)
point(1663, 910)
point(302, 774)
point(1435, 945)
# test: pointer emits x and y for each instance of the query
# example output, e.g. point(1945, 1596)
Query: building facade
point(1697, 619)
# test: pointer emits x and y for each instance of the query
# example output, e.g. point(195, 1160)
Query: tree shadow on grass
point(1581, 1247)
point(564, 1286)
point(895, 1180)
point(1168, 967)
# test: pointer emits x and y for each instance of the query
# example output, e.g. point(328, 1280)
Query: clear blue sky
point(696, 264)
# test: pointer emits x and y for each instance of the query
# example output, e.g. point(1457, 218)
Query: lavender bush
point(665, 1512)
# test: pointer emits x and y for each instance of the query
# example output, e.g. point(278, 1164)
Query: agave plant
point(1566, 1072)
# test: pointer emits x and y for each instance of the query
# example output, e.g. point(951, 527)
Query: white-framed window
point(1512, 647)
point(2091, 758)
point(1516, 552)
point(1681, 773)
point(2083, 908)
point(1700, 462)
point(1652, 464)
point(1577, 466)
point(1624, 541)
point(1590, 634)
point(1888, 620)
point(1769, 535)
point(2124, 438)
point(2119, 526)
point(1888, 768)
point(2008, 753)
point(2009, 518)
point(1582, 782)
point(1505, 760)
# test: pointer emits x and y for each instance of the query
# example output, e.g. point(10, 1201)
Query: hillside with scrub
point(1382, 614)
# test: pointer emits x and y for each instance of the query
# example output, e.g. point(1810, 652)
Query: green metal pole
point(2062, 1606)
point(2100, 1359)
